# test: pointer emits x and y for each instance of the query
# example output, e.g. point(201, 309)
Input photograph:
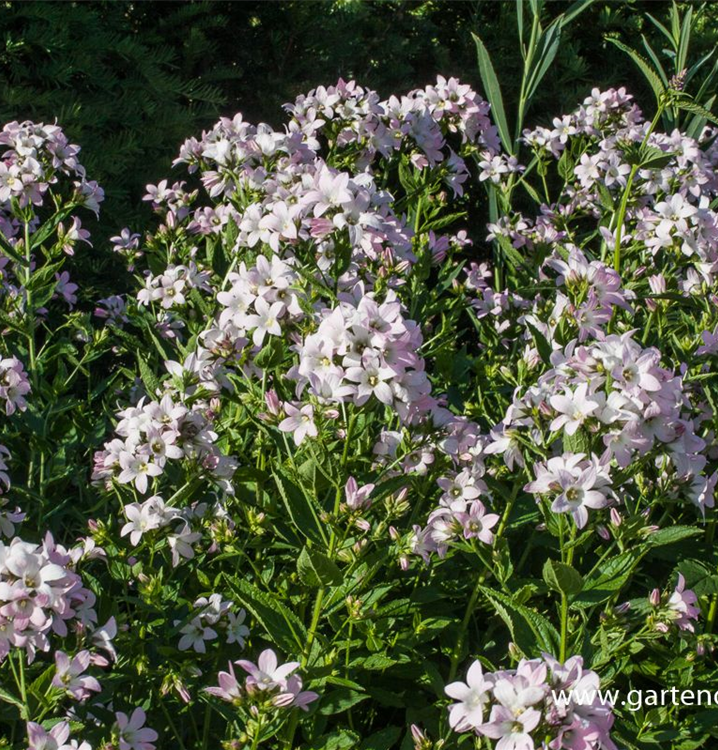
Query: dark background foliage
point(130, 81)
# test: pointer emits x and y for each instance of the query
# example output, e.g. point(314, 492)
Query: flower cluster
point(365, 350)
point(260, 301)
point(267, 683)
point(625, 405)
point(35, 156)
point(14, 385)
point(670, 222)
point(156, 432)
point(209, 613)
point(417, 123)
point(40, 594)
point(542, 703)
point(183, 527)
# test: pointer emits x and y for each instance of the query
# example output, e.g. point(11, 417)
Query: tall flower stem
point(29, 309)
point(567, 557)
point(456, 653)
point(627, 192)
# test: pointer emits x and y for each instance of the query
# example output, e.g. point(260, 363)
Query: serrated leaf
point(579, 442)
point(317, 570)
point(381, 740)
point(651, 76)
point(671, 535)
point(696, 109)
point(300, 508)
point(566, 165)
point(612, 576)
point(562, 578)
point(530, 630)
point(280, 623)
point(149, 379)
point(341, 699)
point(271, 354)
point(510, 253)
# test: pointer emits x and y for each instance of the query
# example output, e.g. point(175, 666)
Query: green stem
point(171, 724)
point(710, 620)
point(257, 733)
point(29, 311)
point(311, 634)
point(456, 653)
point(568, 558)
point(627, 193)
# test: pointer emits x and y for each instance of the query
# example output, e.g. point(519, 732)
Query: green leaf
point(271, 354)
point(671, 535)
point(149, 379)
point(8, 697)
point(406, 175)
point(698, 122)
point(301, 508)
point(510, 253)
point(611, 577)
point(340, 700)
point(605, 197)
point(655, 158)
point(562, 578)
point(575, 9)
point(566, 165)
point(317, 570)
point(342, 739)
point(697, 109)
point(651, 76)
point(280, 623)
point(530, 630)
point(493, 93)
point(381, 740)
point(542, 344)
point(699, 577)
point(551, 42)
point(579, 442)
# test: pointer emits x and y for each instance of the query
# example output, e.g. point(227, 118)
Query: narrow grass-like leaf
point(493, 93)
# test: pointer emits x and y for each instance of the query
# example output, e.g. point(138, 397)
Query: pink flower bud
point(273, 404)
point(655, 597)
point(401, 495)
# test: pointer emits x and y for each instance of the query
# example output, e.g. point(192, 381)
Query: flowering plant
point(339, 479)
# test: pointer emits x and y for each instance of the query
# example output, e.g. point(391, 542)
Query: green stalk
point(171, 724)
point(29, 311)
point(456, 653)
point(627, 193)
point(255, 738)
point(568, 559)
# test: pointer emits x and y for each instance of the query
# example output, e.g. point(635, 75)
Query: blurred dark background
point(130, 81)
